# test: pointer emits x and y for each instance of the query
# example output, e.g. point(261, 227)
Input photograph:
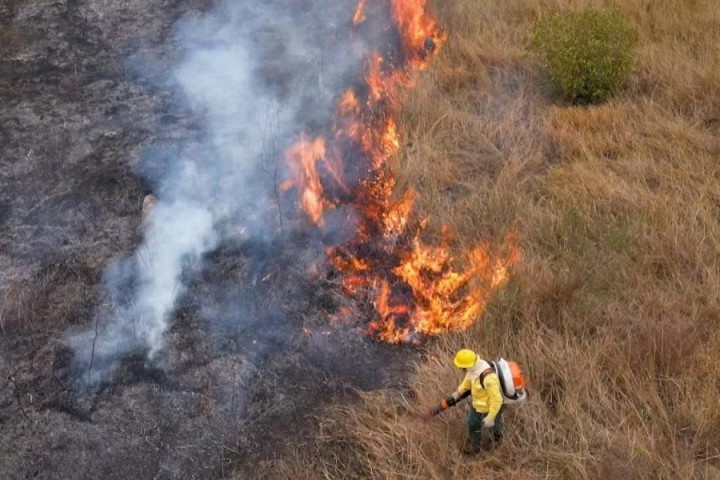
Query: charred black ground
point(227, 392)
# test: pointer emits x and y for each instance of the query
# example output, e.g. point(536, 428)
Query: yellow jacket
point(486, 400)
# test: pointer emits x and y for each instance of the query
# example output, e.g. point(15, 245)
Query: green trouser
point(484, 438)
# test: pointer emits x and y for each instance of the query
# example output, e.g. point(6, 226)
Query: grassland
point(615, 310)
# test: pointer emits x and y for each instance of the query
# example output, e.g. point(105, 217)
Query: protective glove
point(488, 422)
point(436, 410)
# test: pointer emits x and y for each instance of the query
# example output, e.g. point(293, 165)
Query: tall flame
point(414, 288)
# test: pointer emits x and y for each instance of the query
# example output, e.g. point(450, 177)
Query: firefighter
point(481, 383)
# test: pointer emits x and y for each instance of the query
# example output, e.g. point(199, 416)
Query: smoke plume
point(256, 74)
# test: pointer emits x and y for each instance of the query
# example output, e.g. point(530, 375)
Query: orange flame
point(303, 158)
point(420, 32)
point(359, 16)
point(414, 288)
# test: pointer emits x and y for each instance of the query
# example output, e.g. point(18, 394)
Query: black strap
point(485, 373)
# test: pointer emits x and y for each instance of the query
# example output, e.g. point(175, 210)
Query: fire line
point(416, 289)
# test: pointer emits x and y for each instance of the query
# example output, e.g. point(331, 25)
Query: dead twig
point(272, 151)
point(57, 379)
point(264, 412)
point(11, 378)
point(92, 352)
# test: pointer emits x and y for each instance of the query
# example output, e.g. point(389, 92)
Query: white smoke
point(178, 231)
point(252, 74)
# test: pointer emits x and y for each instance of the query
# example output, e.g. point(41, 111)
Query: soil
point(251, 357)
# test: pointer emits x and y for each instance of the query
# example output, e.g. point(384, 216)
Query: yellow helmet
point(465, 358)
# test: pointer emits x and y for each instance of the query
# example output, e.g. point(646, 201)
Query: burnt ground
point(251, 358)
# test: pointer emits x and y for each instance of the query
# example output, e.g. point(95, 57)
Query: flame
point(414, 288)
point(303, 158)
point(359, 16)
point(420, 32)
point(449, 299)
point(398, 214)
point(393, 325)
point(349, 103)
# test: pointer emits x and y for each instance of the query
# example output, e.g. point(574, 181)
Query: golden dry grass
point(615, 310)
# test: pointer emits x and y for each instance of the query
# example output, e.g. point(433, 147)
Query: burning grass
point(415, 287)
point(614, 311)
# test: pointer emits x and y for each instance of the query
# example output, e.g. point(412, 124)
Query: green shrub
point(588, 55)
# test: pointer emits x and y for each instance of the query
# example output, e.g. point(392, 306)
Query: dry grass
point(615, 311)
point(61, 293)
